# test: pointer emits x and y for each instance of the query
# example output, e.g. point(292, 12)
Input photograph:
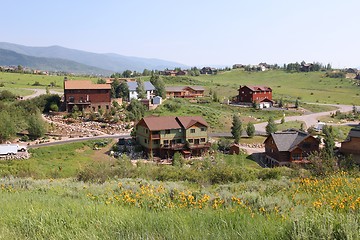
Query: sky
point(194, 33)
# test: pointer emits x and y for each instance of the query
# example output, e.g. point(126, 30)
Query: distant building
point(184, 91)
point(288, 147)
point(164, 136)
point(208, 70)
point(86, 95)
point(133, 94)
point(261, 95)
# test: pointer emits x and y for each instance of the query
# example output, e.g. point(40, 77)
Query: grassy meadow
point(21, 84)
point(284, 208)
point(307, 87)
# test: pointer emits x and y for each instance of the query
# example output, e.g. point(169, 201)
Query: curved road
point(38, 92)
point(309, 119)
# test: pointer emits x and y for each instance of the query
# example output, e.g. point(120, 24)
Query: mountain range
point(57, 58)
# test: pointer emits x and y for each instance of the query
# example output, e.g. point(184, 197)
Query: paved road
point(71, 140)
point(38, 92)
point(309, 119)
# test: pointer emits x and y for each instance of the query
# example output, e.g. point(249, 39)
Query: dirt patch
point(102, 154)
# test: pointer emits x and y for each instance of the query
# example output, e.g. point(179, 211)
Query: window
point(71, 99)
point(296, 156)
point(166, 142)
point(191, 140)
point(202, 139)
point(192, 130)
point(145, 140)
point(146, 131)
point(203, 129)
point(156, 141)
point(167, 131)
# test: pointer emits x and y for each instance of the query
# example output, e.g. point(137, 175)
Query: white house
point(149, 89)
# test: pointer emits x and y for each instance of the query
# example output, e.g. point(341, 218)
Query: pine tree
point(250, 129)
point(236, 128)
point(271, 126)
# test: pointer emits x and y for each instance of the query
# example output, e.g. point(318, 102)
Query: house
point(163, 136)
point(172, 73)
point(184, 91)
point(149, 89)
point(288, 147)
point(351, 146)
point(86, 95)
point(181, 73)
point(208, 70)
point(261, 95)
point(306, 67)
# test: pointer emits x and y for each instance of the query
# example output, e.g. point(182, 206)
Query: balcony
point(155, 136)
point(200, 145)
point(176, 146)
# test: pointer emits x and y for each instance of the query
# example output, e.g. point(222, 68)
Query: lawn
point(290, 124)
point(307, 87)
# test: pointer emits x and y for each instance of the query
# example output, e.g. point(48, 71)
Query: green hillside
point(308, 87)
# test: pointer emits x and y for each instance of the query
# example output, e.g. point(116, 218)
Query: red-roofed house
point(163, 136)
point(258, 94)
point(86, 95)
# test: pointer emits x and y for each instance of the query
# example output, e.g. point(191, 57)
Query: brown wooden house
point(163, 136)
point(255, 94)
point(288, 147)
point(351, 146)
point(86, 95)
point(184, 91)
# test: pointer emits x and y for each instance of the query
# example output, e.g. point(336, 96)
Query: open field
point(16, 82)
point(298, 208)
point(308, 87)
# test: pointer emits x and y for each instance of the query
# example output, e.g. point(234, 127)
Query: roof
point(160, 123)
point(287, 140)
point(181, 88)
point(191, 121)
point(84, 84)
point(354, 132)
point(147, 86)
point(258, 88)
point(170, 122)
